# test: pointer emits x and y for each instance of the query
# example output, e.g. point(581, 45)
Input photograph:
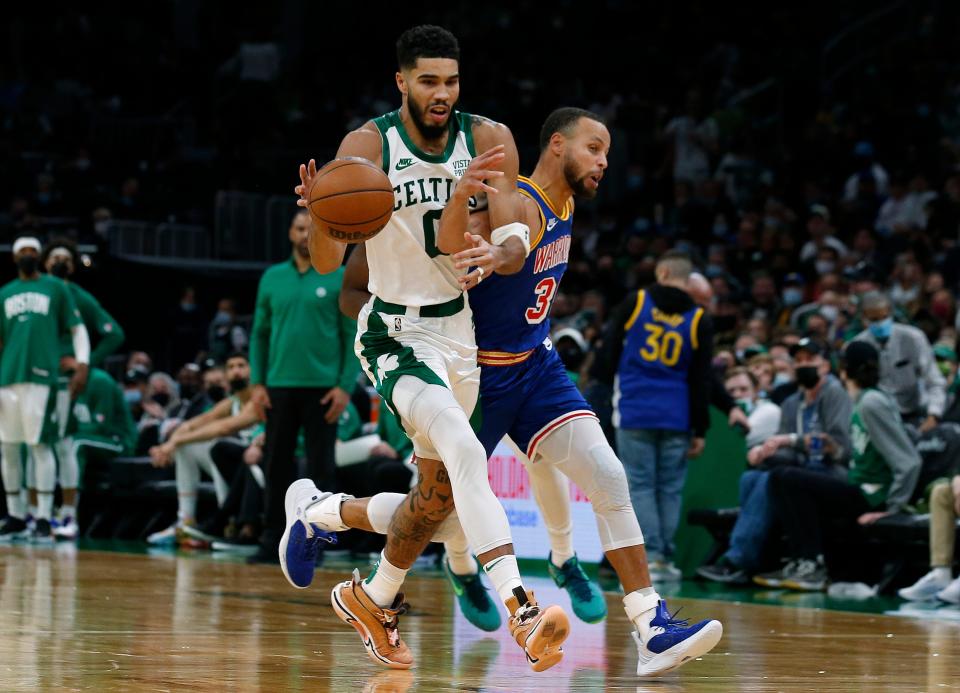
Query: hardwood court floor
point(100, 621)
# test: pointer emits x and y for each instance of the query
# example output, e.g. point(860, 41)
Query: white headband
point(26, 242)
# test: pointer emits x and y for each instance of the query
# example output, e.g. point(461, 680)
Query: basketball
point(351, 199)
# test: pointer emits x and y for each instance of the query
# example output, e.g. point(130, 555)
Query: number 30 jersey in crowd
point(524, 388)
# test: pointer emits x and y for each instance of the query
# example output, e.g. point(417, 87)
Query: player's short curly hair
point(563, 120)
point(59, 242)
point(426, 41)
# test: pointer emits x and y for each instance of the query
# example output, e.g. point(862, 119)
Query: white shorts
point(393, 342)
point(23, 410)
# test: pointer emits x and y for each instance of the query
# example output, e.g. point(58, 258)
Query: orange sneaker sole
point(543, 645)
point(345, 615)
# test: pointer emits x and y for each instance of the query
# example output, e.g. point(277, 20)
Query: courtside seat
point(902, 540)
point(128, 498)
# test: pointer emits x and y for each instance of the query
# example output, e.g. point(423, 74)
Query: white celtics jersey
point(406, 267)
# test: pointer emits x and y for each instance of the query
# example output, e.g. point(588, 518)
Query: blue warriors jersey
point(511, 312)
point(651, 388)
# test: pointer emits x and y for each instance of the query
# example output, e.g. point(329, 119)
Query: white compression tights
point(190, 460)
point(69, 466)
point(578, 451)
point(433, 411)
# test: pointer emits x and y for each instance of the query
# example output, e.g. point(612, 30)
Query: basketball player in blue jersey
point(526, 394)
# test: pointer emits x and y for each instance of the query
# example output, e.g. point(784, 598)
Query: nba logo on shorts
point(397, 324)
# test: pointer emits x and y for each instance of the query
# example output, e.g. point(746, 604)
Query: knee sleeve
point(380, 510)
point(433, 410)
point(69, 466)
point(580, 450)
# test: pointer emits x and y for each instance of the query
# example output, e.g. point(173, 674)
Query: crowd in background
point(813, 214)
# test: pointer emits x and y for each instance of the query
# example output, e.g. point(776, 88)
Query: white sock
point(383, 584)
point(942, 574)
point(505, 576)
point(34, 510)
point(45, 472)
point(561, 549)
point(641, 606)
point(461, 562)
point(67, 511)
point(44, 505)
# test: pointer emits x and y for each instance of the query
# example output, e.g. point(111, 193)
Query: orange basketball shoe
point(378, 627)
point(540, 632)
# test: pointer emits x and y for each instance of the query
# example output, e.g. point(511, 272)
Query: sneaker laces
point(671, 621)
point(526, 613)
point(805, 567)
point(391, 621)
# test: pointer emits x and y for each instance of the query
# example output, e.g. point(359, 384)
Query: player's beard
point(576, 181)
point(303, 250)
point(429, 132)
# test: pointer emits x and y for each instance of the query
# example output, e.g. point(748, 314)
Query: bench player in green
point(416, 344)
point(36, 312)
point(60, 260)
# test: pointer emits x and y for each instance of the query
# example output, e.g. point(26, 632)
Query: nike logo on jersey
point(404, 163)
point(551, 224)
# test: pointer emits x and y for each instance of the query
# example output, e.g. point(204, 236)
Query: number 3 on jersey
point(544, 291)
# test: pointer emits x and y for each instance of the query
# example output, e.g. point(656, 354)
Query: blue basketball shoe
point(301, 539)
point(671, 642)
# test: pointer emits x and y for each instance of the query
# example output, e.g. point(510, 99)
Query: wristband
point(517, 230)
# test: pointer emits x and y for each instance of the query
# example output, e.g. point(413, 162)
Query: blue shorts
point(528, 401)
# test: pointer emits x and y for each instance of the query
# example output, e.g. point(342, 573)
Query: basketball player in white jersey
point(416, 344)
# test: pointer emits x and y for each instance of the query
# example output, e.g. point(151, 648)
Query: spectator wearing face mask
point(226, 334)
point(190, 446)
point(908, 369)
point(762, 415)
point(883, 471)
point(214, 382)
point(792, 296)
point(160, 398)
point(134, 388)
point(818, 413)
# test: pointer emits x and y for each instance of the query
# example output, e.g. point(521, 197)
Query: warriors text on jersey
point(511, 313)
point(406, 267)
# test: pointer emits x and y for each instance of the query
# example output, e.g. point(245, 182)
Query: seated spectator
point(214, 382)
point(908, 369)
point(761, 368)
point(190, 445)
point(939, 582)
point(762, 416)
point(134, 389)
point(784, 379)
point(820, 399)
point(141, 359)
point(159, 401)
point(947, 363)
point(883, 471)
point(237, 522)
